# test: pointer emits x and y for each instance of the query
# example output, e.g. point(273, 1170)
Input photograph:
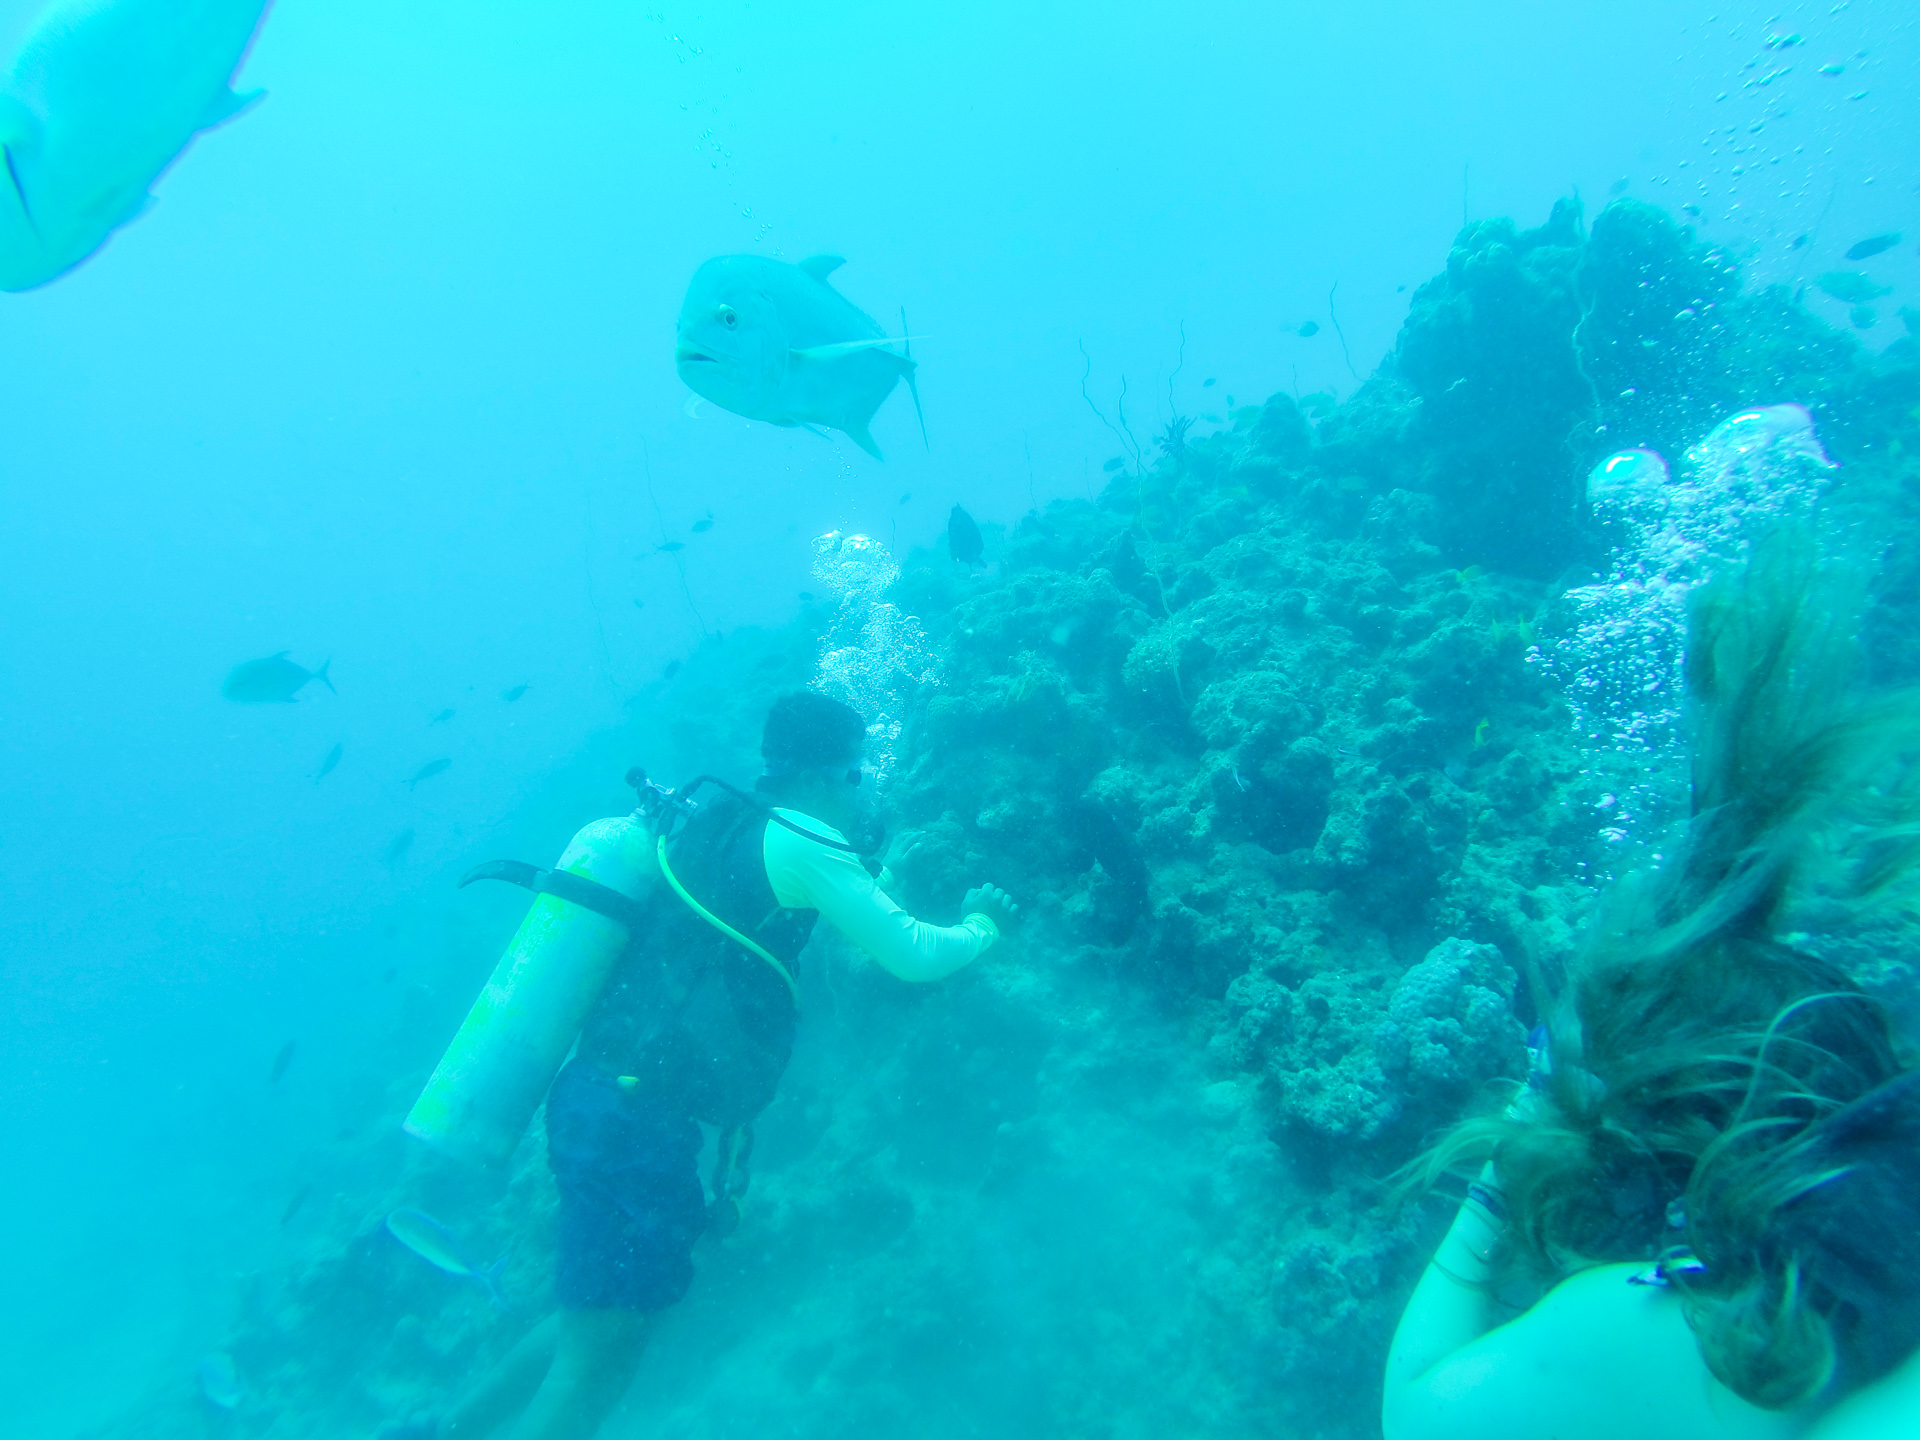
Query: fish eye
point(727, 317)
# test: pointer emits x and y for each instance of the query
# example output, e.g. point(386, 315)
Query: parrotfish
point(1873, 245)
point(274, 680)
point(102, 96)
point(1851, 287)
point(437, 1245)
point(776, 342)
point(964, 542)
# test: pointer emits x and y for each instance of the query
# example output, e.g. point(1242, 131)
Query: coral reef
point(1255, 738)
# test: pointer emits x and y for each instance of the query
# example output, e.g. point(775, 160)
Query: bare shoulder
point(1597, 1357)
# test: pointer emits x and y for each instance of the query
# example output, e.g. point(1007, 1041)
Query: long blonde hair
point(1702, 1071)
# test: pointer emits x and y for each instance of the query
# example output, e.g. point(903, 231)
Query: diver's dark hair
point(805, 731)
point(1706, 1073)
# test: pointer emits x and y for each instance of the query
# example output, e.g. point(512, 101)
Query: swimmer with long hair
point(1700, 1219)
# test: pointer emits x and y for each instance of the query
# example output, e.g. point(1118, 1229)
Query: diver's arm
point(1452, 1306)
point(811, 876)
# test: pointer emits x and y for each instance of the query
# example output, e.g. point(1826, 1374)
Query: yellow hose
point(725, 929)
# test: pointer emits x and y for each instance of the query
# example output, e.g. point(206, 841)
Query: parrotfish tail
point(913, 389)
point(321, 675)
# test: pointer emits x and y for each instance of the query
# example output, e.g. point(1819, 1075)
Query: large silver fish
point(776, 342)
point(101, 98)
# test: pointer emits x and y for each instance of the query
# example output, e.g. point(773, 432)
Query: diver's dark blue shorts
point(631, 1203)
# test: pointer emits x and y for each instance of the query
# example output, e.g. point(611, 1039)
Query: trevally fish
point(333, 759)
point(776, 342)
point(437, 1245)
point(275, 679)
point(102, 96)
point(427, 772)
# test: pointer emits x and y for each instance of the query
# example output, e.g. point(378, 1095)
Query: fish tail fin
point(864, 439)
point(913, 387)
point(490, 1277)
point(321, 674)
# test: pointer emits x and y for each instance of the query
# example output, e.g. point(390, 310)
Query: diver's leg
point(593, 1364)
point(507, 1387)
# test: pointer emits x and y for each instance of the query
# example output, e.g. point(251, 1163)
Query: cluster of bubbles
point(874, 656)
point(1621, 663)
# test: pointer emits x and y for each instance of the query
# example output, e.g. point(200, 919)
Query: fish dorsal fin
point(821, 266)
point(225, 105)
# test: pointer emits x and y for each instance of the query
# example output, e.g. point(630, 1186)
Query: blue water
point(385, 378)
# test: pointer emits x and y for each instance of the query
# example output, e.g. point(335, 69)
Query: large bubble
point(874, 656)
point(1621, 662)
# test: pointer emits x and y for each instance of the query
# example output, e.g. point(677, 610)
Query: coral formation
point(1255, 738)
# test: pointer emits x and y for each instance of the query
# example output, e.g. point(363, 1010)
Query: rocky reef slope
point(1262, 740)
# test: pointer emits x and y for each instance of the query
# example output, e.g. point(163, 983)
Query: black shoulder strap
point(588, 894)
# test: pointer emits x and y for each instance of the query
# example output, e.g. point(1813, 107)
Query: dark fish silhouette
point(274, 680)
point(1873, 245)
point(1799, 240)
point(281, 1061)
point(441, 718)
point(807, 595)
point(701, 526)
point(513, 693)
point(293, 1205)
point(1113, 463)
point(670, 547)
point(1850, 287)
point(397, 848)
point(428, 771)
point(326, 765)
point(1307, 329)
point(673, 669)
point(963, 539)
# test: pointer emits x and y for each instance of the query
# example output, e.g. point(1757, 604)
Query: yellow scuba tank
point(518, 1033)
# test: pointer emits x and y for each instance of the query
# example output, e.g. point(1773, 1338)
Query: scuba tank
point(585, 910)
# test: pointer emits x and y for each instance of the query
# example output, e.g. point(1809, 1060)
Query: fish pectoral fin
point(864, 439)
point(225, 105)
point(821, 266)
point(849, 347)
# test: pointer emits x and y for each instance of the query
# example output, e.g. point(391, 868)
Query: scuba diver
point(1700, 1217)
point(695, 1022)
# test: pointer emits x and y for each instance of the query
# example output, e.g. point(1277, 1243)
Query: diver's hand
point(905, 846)
point(992, 902)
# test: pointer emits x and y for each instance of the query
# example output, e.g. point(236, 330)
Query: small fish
point(963, 539)
point(1480, 733)
point(639, 604)
point(702, 525)
point(281, 1060)
point(1207, 384)
point(1873, 245)
point(441, 718)
point(1833, 67)
point(219, 1381)
point(514, 692)
point(436, 1245)
point(807, 596)
point(1113, 464)
point(294, 1204)
point(1307, 329)
point(397, 848)
point(669, 547)
point(1850, 287)
point(326, 765)
point(908, 495)
point(428, 771)
point(1241, 782)
point(673, 669)
point(1799, 240)
point(1691, 211)
point(1619, 187)
point(274, 680)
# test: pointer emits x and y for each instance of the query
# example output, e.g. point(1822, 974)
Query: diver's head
point(811, 749)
